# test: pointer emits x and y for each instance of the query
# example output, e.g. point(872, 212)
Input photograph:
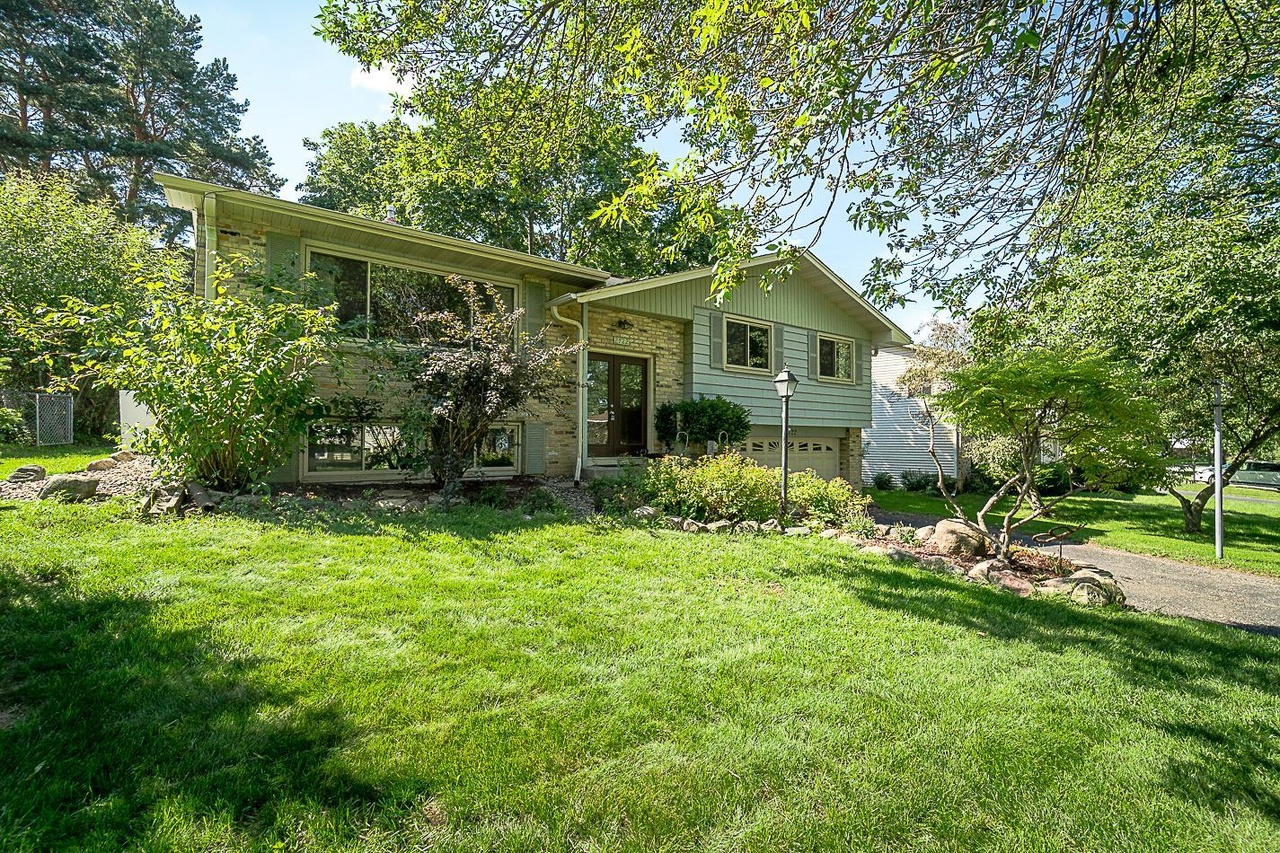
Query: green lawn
point(58, 459)
point(1143, 524)
point(478, 682)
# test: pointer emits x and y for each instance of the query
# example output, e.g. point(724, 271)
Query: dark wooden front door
point(617, 405)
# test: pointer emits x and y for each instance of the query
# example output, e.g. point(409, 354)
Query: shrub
point(918, 481)
point(728, 486)
point(883, 481)
point(13, 427)
point(494, 495)
point(705, 419)
point(230, 380)
point(540, 500)
point(833, 502)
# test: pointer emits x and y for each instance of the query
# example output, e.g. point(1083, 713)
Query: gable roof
point(809, 270)
point(190, 194)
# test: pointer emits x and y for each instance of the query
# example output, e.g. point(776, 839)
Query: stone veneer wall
point(851, 456)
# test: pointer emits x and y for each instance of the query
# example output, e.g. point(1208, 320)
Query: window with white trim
point(747, 345)
point(835, 358)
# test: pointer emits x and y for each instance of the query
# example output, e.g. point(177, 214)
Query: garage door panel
point(822, 455)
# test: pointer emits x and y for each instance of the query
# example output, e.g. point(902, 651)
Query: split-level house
point(645, 341)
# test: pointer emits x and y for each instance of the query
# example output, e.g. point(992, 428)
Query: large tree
point(944, 125)
point(1174, 265)
point(111, 92)
point(507, 186)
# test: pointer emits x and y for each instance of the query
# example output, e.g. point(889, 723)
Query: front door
point(617, 405)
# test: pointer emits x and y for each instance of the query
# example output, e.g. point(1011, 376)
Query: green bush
point(918, 481)
point(728, 486)
point(833, 502)
point(705, 419)
point(494, 495)
point(230, 381)
point(540, 500)
point(883, 481)
point(13, 427)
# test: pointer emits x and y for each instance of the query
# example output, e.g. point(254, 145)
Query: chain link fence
point(50, 418)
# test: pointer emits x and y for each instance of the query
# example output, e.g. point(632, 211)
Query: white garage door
point(820, 454)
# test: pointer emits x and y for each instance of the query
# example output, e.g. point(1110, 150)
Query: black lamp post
point(785, 383)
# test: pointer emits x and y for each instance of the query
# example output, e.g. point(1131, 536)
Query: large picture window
point(835, 359)
point(746, 344)
point(344, 448)
point(377, 300)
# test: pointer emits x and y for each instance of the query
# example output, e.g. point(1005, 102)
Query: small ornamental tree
point(1078, 406)
point(228, 380)
point(468, 368)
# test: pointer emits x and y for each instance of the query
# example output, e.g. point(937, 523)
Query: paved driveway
point(1180, 589)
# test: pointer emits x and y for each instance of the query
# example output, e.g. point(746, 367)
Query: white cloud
point(379, 80)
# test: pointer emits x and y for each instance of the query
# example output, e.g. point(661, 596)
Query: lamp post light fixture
point(785, 383)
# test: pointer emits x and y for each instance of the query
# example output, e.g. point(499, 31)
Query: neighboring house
point(646, 341)
point(899, 437)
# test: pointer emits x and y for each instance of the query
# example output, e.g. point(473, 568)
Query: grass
point(478, 682)
point(57, 459)
point(1142, 524)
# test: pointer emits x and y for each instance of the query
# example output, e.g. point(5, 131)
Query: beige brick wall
point(851, 456)
point(659, 340)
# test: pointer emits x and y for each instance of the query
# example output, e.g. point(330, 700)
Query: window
point(344, 447)
point(377, 300)
point(835, 359)
point(747, 344)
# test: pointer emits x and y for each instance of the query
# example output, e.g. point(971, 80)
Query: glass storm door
point(617, 402)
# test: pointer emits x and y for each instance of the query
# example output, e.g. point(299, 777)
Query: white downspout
point(581, 431)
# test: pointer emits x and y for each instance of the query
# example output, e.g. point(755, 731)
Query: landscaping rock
point(645, 513)
point(771, 526)
point(989, 566)
point(675, 522)
point(897, 555)
point(71, 488)
point(1089, 594)
point(691, 526)
point(796, 531)
point(978, 574)
point(937, 564)
point(28, 474)
point(748, 527)
point(124, 456)
point(954, 537)
point(883, 529)
point(101, 464)
point(391, 503)
point(721, 526)
point(1017, 585)
point(924, 534)
point(829, 533)
point(1089, 586)
point(849, 539)
point(395, 493)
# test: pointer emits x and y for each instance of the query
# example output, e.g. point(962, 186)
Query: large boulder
point(71, 488)
point(28, 474)
point(955, 537)
point(1088, 586)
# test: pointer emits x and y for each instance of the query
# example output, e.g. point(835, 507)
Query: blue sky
point(297, 85)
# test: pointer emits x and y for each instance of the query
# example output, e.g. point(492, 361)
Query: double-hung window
point(835, 358)
point(747, 344)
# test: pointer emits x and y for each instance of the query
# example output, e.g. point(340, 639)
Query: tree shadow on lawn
point(109, 719)
point(365, 519)
point(1227, 764)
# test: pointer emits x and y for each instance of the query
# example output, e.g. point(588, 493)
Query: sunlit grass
point(1143, 524)
point(56, 459)
point(474, 681)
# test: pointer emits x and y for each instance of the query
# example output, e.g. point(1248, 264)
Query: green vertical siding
point(817, 403)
